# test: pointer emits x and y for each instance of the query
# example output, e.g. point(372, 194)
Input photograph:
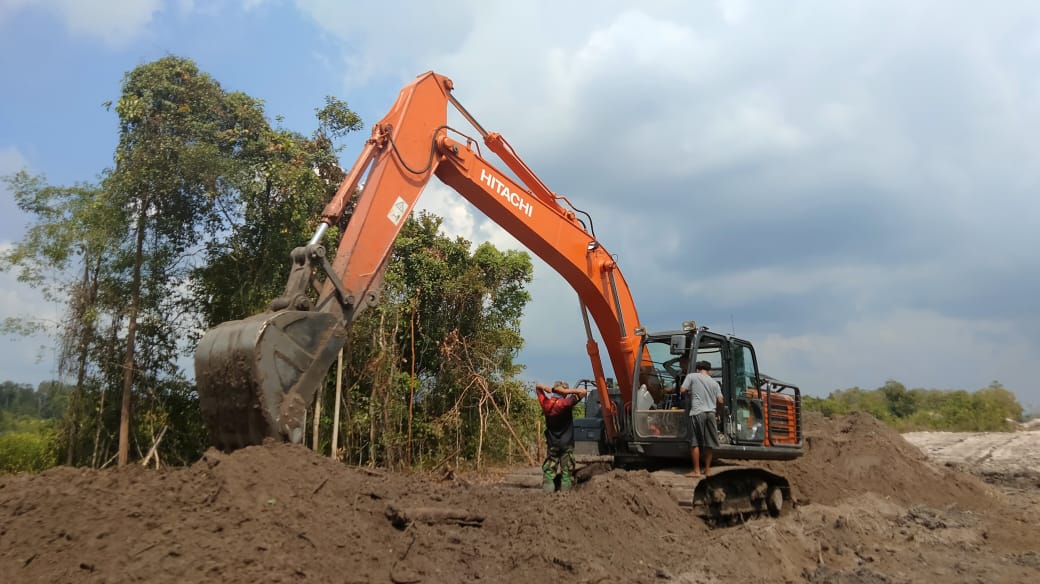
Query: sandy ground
point(871, 508)
point(990, 454)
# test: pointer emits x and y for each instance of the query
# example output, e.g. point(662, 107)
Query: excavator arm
point(257, 376)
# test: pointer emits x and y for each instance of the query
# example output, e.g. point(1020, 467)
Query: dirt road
point(872, 509)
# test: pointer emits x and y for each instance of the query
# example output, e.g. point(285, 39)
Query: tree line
point(192, 225)
point(990, 409)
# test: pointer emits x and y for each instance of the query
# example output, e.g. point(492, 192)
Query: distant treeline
point(22, 399)
point(986, 410)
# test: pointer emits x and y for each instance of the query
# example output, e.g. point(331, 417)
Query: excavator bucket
point(257, 376)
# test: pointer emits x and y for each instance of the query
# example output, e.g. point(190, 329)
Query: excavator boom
point(256, 376)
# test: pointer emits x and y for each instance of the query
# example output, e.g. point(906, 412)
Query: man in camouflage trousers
point(557, 405)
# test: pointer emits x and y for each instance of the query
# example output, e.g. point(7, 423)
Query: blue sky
point(850, 185)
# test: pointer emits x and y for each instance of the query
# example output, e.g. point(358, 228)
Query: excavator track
point(730, 491)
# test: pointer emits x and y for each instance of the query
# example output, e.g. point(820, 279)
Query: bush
point(985, 410)
point(27, 451)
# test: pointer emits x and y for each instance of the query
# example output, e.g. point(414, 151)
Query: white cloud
point(381, 39)
point(447, 204)
point(25, 359)
point(11, 160)
point(9, 7)
point(916, 348)
point(114, 22)
point(461, 219)
point(555, 300)
point(733, 11)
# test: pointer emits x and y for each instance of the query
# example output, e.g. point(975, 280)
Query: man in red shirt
point(559, 433)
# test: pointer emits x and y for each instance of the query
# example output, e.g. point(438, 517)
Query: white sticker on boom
point(397, 211)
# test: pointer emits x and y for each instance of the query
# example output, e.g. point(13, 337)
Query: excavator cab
point(759, 421)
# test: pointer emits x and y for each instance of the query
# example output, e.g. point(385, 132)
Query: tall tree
point(259, 224)
point(195, 167)
point(179, 134)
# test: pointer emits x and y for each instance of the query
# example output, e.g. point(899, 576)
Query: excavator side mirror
point(678, 345)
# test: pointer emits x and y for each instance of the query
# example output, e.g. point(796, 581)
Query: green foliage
point(450, 317)
point(985, 410)
point(193, 165)
point(336, 119)
point(826, 406)
point(193, 226)
point(900, 404)
point(26, 443)
point(858, 400)
point(274, 207)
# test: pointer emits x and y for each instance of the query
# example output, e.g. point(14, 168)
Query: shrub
point(29, 447)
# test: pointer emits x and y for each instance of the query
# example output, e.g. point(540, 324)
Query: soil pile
point(879, 512)
point(854, 454)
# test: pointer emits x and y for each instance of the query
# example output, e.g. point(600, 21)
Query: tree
point(440, 344)
point(179, 137)
point(26, 444)
point(265, 217)
point(855, 399)
point(900, 403)
point(996, 406)
point(73, 228)
point(188, 153)
point(16, 398)
point(193, 226)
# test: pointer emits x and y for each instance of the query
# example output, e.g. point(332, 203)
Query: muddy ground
point(872, 509)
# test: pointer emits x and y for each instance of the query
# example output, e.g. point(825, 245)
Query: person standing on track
point(705, 396)
point(559, 433)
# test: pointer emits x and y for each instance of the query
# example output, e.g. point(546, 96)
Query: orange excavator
point(257, 376)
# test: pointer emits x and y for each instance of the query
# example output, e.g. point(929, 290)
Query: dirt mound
point(280, 513)
point(851, 455)
point(880, 512)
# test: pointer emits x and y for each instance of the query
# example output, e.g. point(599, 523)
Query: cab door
point(746, 411)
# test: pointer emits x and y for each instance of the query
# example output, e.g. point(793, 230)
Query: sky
point(852, 186)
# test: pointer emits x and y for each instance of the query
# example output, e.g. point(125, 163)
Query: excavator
point(257, 376)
